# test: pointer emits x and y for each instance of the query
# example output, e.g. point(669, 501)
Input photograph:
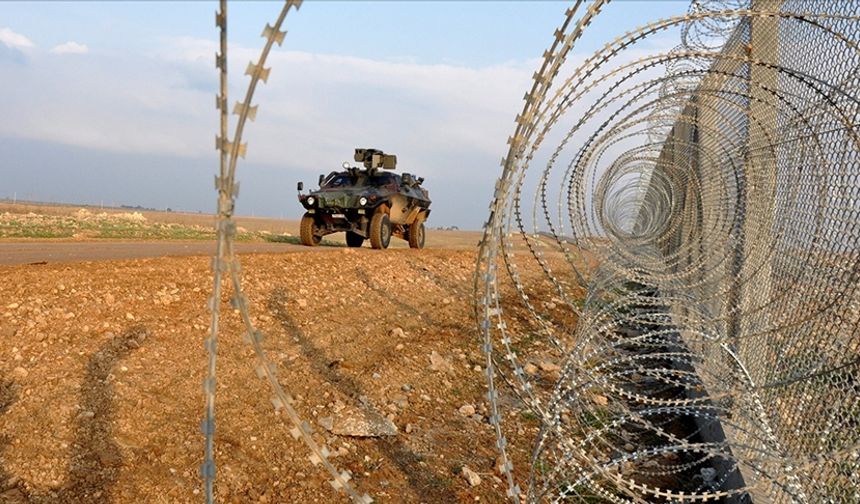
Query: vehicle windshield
point(346, 180)
point(338, 181)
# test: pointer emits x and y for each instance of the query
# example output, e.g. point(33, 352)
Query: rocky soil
point(101, 366)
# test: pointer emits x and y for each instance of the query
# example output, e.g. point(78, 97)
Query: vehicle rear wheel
point(416, 235)
point(380, 230)
point(306, 230)
point(354, 239)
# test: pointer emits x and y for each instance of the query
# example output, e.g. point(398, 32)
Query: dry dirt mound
point(101, 367)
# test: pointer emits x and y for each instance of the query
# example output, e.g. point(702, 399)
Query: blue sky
point(118, 96)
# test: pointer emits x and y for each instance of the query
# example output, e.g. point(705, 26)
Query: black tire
point(380, 231)
point(354, 239)
point(306, 230)
point(416, 235)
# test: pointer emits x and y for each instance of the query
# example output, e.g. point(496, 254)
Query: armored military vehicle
point(368, 202)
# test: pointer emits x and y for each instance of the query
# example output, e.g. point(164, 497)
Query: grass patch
point(34, 232)
point(295, 240)
point(110, 226)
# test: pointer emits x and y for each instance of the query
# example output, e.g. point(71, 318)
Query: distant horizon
point(141, 208)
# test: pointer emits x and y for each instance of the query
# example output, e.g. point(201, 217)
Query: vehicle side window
point(383, 179)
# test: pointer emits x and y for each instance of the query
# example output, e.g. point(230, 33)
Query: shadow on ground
point(424, 484)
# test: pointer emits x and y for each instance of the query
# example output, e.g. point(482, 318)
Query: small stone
point(601, 400)
point(20, 373)
point(629, 447)
point(446, 301)
point(396, 333)
point(129, 316)
point(530, 368)
point(360, 422)
point(326, 422)
point(406, 387)
point(400, 400)
point(408, 428)
point(399, 347)
point(12, 306)
point(549, 367)
point(467, 410)
point(439, 363)
point(471, 476)
point(303, 303)
point(86, 414)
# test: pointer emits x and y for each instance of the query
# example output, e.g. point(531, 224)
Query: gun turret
point(375, 158)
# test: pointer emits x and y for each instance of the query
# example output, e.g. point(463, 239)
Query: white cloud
point(70, 47)
point(14, 40)
point(162, 103)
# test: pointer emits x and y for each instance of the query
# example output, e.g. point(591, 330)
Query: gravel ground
point(101, 365)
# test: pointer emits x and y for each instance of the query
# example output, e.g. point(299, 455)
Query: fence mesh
point(695, 211)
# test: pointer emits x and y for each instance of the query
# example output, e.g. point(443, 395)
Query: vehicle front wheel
point(354, 239)
point(306, 230)
point(416, 235)
point(380, 230)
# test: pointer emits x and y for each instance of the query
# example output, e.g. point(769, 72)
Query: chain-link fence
point(705, 199)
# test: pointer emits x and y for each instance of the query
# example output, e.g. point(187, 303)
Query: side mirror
point(300, 186)
point(322, 177)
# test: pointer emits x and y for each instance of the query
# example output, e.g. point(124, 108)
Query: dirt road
point(41, 252)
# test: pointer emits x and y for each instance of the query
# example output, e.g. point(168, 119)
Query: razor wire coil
point(710, 214)
point(226, 266)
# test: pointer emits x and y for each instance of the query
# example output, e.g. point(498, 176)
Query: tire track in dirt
point(95, 461)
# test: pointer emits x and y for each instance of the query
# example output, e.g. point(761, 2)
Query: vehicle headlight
point(311, 200)
point(362, 201)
